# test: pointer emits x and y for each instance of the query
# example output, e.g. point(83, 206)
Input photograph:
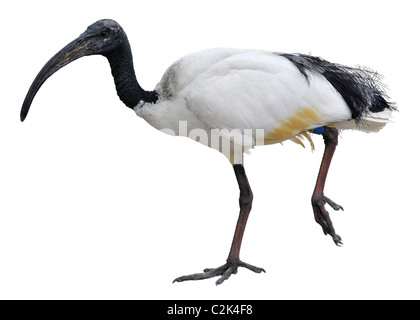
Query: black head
point(103, 38)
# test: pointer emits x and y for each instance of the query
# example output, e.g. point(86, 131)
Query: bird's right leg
point(319, 200)
point(233, 262)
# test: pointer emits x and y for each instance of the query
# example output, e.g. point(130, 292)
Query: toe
point(251, 267)
point(333, 205)
point(231, 270)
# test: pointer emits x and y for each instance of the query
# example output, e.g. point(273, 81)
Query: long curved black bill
point(74, 50)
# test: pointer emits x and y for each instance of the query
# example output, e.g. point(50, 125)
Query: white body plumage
point(248, 98)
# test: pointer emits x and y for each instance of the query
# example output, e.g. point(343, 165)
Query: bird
point(233, 100)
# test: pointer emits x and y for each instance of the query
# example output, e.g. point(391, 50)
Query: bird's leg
point(319, 200)
point(233, 261)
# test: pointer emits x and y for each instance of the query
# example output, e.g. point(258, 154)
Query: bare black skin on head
point(106, 38)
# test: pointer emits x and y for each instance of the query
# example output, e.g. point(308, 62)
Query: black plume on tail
point(360, 88)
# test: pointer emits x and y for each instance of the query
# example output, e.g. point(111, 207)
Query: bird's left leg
point(319, 200)
point(233, 261)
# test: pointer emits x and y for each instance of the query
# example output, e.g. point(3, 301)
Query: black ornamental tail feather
point(360, 88)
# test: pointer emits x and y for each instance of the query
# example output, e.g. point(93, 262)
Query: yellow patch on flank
point(294, 127)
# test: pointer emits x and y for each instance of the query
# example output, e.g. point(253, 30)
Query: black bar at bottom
point(206, 309)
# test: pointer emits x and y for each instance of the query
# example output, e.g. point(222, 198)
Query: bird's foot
point(323, 218)
point(225, 271)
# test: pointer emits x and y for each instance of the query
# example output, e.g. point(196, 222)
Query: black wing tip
point(360, 87)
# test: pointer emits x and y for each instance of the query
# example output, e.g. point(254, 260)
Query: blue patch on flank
point(319, 130)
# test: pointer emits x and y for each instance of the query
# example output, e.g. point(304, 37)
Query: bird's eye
point(106, 32)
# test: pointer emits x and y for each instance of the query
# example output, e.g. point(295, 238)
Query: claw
point(337, 240)
point(333, 205)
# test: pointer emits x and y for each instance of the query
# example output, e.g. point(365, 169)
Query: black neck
point(128, 89)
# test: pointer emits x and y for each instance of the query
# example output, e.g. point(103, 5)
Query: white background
point(96, 204)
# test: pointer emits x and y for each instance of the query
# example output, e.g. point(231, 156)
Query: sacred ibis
point(233, 100)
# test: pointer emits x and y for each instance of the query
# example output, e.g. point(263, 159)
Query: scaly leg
point(319, 200)
point(233, 261)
